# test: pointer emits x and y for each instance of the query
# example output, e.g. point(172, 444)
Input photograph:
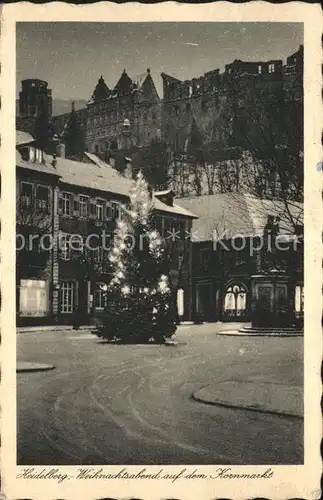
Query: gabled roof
point(101, 91)
point(232, 214)
point(125, 85)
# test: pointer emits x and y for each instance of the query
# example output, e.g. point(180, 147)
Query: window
point(65, 247)
point(32, 154)
point(299, 299)
point(84, 206)
point(33, 298)
point(75, 245)
point(115, 210)
point(259, 70)
point(235, 301)
point(26, 195)
point(42, 198)
point(39, 156)
point(271, 68)
point(66, 203)
point(67, 296)
point(100, 297)
point(99, 209)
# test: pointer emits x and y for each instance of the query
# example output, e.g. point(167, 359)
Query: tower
point(35, 99)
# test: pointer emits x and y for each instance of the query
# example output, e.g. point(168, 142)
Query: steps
point(274, 331)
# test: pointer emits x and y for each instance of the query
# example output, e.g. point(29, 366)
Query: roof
point(45, 168)
point(174, 209)
point(233, 214)
point(23, 138)
point(95, 174)
point(101, 176)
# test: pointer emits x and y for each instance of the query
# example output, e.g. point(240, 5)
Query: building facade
point(231, 248)
point(37, 226)
point(68, 211)
point(201, 121)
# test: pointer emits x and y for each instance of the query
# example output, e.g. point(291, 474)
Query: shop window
point(299, 299)
point(33, 298)
point(235, 301)
point(65, 247)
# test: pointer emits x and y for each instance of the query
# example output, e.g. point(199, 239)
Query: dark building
point(35, 99)
point(34, 108)
point(37, 222)
point(251, 106)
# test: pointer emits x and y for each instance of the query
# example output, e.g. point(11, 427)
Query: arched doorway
point(235, 302)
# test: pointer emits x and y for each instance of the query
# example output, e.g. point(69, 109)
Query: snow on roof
point(23, 138)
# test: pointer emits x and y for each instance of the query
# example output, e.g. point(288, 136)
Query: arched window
point(235, 301)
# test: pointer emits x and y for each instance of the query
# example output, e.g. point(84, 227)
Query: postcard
point(160, 255)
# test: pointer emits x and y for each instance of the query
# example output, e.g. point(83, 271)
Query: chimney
point(54, 160)
point(60, 150)
point(128, 168)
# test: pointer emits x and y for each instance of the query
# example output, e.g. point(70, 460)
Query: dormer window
point(259, 70)
point(32, 154)
point(39, 156)
point(271, 68)
point(35, 155)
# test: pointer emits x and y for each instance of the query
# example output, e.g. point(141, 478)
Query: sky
point(72, 56)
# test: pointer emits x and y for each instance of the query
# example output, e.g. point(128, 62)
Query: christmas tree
point(140, 306)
